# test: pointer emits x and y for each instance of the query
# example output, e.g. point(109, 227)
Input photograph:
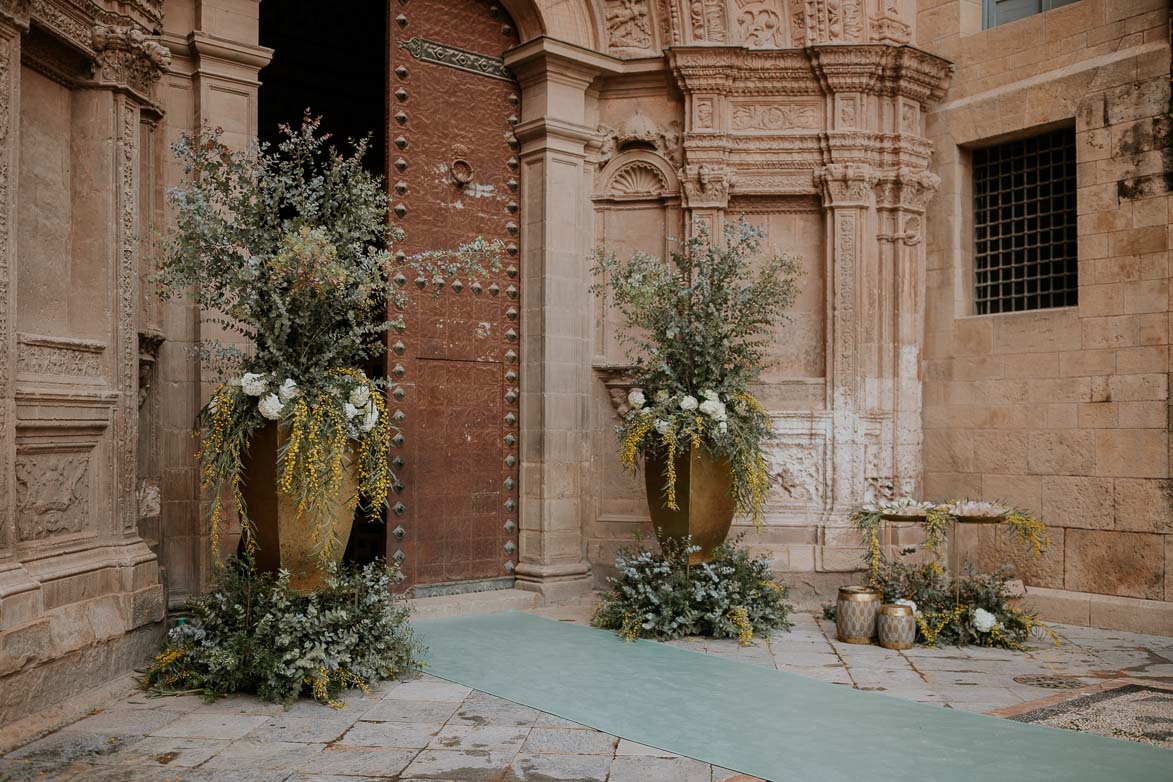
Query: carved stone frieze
point(66, 21)
point(72, 358)
point(52, 494)
point(629, 26)
point(125, 55)
point(907, 189)
point(774, 116)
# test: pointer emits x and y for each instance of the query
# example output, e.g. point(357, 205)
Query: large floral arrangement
point(292, 246)
point(701, 323)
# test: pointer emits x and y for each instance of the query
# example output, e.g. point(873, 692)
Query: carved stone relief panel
point(797, 463)
point(60, 359)
point(53, 494)
point(629, 27)
point(708, 20)
point(760, 23)
point(750, 116)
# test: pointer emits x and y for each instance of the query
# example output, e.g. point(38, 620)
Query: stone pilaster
point(555, 327)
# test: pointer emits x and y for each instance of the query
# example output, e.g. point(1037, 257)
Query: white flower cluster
point(983, 620)
point(709, 404)
point(271, 404)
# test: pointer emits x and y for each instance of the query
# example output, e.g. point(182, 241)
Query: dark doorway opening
point(334, 64)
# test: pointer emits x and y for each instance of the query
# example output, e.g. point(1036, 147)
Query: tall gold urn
point(284, 539)
point(705, 503)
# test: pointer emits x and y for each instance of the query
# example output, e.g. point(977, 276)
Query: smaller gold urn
point(896, 626)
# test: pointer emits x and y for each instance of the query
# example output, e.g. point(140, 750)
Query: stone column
point(19, 592)
point(555, 324)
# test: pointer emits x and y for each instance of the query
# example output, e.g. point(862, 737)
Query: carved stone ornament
point(638, 178)
point(846, 183)
point(58, 356)
point(759, 24)
point(52, 494)
point(706, 185)
point(16, 12)
point(708, 20)
point(772, 116)
point(617, 380)
point(125, 55)
point(640, 130)
point(149, 343)
point(629, 25)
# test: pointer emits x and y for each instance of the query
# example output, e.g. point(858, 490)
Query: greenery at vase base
point(700, 325)
point(255, 634)
point(292, 246)
point(660, 595)
point(981, 616)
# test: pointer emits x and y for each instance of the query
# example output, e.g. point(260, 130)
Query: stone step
point(491, 602)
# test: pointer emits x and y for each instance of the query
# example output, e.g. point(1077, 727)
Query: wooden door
point(453, 174)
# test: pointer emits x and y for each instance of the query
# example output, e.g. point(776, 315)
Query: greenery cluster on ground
point(254, 633)
point(660, 595)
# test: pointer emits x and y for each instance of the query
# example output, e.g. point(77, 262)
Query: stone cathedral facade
point(978, 202)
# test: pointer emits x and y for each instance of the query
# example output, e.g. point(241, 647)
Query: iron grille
point(1024, 220)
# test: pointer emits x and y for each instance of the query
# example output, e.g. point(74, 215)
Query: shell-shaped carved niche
point(638, 178)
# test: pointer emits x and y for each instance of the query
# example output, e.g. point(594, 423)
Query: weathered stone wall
point(1062, 411)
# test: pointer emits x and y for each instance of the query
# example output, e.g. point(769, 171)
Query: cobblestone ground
point(434, 730)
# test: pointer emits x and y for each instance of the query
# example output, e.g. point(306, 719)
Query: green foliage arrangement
point(700, 324)
point(660, 595)
point(982, 616)
point(292, 245)
point(253, 633)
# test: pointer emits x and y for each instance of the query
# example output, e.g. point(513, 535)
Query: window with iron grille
point(1024, 219)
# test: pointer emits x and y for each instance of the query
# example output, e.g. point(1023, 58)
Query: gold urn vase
point(703, 496)
point(283, 538)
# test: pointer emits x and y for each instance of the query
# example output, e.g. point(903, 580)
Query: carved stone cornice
point(16, 13)
point(846, 184)
point(66, 21)
point(918, 75)
point(126, 56)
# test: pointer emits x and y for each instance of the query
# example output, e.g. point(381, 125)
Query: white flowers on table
point(688, 403)
point(906, 602)
point(270, 407)
point(360, 396)
point(983, 620)
point(288, 390)
point(253, 384)
point(636, 398)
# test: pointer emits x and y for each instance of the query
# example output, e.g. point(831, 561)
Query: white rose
point(636, 398)
point(349, 410)
point(906, 602)
point(360, 395)
point(983, 620)
point(370, 419)
point(288, 390)
point(711, 395)
point(661, 425)
point(662, 395)
point(253, 384)
point(270, 407)
point(688, 403)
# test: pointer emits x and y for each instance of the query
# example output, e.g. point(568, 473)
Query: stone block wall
point(1062, 411)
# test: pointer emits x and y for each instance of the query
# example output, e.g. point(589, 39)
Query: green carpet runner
point(758, 721)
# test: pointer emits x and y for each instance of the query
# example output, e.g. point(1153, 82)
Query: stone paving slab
point(429, 729)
